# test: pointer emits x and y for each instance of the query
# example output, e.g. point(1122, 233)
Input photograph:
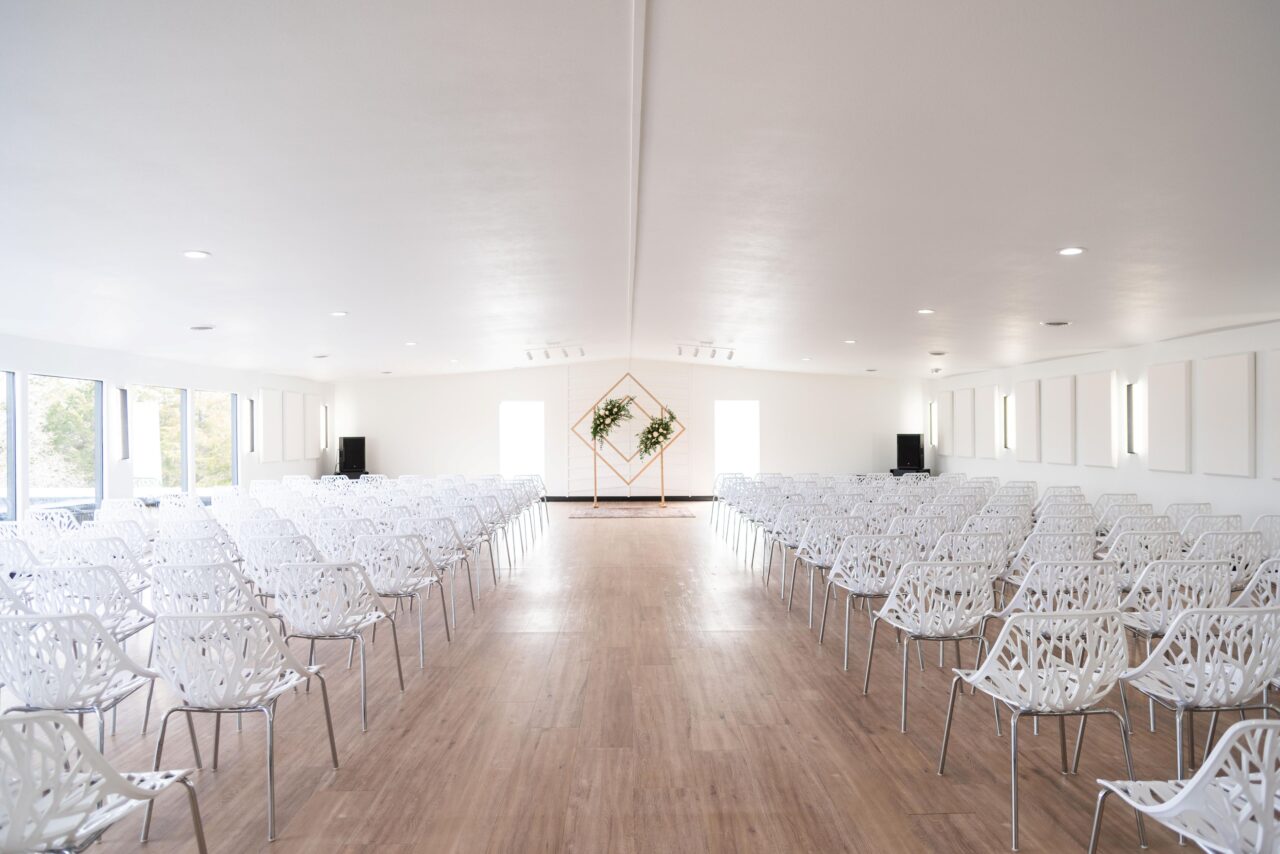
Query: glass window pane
point(155, 441)
point(522, 448)
point(214, 424)
point(737, 437)
point(63, 443)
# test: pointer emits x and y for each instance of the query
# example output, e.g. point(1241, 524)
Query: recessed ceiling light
point(924, 311)
point(850, 341)
point(411, 343)
point(804, 358)
point(202, 329)
point(453, 361)
point(321, 356)
point(196, 254)
point(1070, 251)
point(937, 352)
point(384, 373)
point(337, 314)
point(872, 370)
point(1055, 323)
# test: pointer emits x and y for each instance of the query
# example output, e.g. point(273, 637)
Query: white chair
point(263, 555)
point(1065, 524)
point(1269, 527)
point(1010, 527)
point(400, 567)
point(1042, 545)
point(1133, 551)
point(934, 601)
point(43, 529)
point(818, 547)
point(1232, 804)
point(96, 590)
point(16, 562)
point(1050, 665)
point(447, 551)
point(67, 664)
point(192, 551)
point(231, 664)
point(181, 506)
point(1204, 523)
point(335, 538)
point(786, 533)
point(104, 551)
point(1263, 590)
point(1182, 511)
point(136, 536)
point(865, 568)
point(216, 588)
point(333, 601)
point(1065, 585)
point(250, 528)
point(923, 531)
point(1106, 499)
point(1243, 549)
point(1108, 519)
point(1164, 590)
point(1131, 522)
point(968, 546)
point(59, 794)
point(1210, 660)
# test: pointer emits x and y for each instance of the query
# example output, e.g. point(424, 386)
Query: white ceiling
point(460, 175)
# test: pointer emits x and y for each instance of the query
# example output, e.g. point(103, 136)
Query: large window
point(214, 421)
point(64, 447)
point(738, 437)
point(8, 468)
point(157, 440)
point(522, 447)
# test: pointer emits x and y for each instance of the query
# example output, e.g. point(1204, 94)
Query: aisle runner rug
point(632, 511)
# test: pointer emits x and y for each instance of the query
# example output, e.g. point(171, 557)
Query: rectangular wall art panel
point(1273, 412)
point(313, 430)
point(1095, 418)
point(1058, 421)
point(986, 424)
point(294, 429)
point(1026, 397)
point(946, 423)
point(963, 423)
point(271, 429)
point(1169, 417)
point(1225, 420)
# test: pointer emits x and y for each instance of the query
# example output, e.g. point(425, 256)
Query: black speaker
point(910, 451)
point(351, 454)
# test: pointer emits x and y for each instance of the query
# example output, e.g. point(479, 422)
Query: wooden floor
point(633, 689)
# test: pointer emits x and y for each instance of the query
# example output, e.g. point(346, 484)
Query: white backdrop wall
point(449, 424)
point(1222, 418)
point(24, 356)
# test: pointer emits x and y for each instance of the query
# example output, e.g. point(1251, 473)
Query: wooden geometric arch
point(586, 439)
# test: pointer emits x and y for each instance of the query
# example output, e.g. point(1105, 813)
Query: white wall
point(1248, 495)
point(116, 370)
point(449, 424)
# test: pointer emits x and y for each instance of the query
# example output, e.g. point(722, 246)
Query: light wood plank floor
point(633, 689)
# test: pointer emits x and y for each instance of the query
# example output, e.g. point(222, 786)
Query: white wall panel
point(1226, 411)
point(1272, 413)
point(1026, 398)
point(271, 425)
point(294, 428)
point(986, 424)
point(313, 426)
point(946, 423)
point(1058, 421)
point(964, 426)
point(1096, 418)
point(1169, 417)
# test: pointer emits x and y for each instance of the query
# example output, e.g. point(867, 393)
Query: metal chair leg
point(822, 628)
point(871, 648)
point(905, 670)
point(946, 727)
point(848, 602)
point(271, 775)
point(1013, 774)
point(364, 704)
point(197, 826)
point(155, 766)
point(1097, 821)
point(395, 645)
point(1128, 764)
point(217, 738)
point(195, 743)
point(328, 718)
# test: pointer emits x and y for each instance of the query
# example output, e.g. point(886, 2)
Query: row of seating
point(219, 590)
point(939, 557)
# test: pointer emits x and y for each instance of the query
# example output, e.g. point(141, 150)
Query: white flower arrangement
point(608, 415)
point(657, 434)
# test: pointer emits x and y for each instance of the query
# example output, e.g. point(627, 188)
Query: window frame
point(10, 446)
point(184, 419)
point(99, 451)
point(190, 467)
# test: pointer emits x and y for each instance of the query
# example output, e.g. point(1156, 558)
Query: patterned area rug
point(647, 510)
